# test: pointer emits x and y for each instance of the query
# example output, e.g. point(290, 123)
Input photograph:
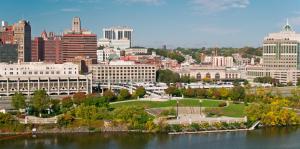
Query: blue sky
point(185, 23)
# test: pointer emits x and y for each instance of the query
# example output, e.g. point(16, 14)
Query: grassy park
point(233, 110)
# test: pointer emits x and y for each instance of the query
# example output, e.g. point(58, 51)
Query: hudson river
point(271, 138)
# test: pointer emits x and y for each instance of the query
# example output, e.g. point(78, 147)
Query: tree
point(40, 101)
point(173, 91)
point(67, 102)
point(298, 81)
point(189, 93)
point(140, 92)
point(237, 93)
point(79, 97)
point(18, 101)
point(272, 114)
point(290, 83)
point(224, 93)
point(167, 76)
point(109, 96)
point(236, 83)
point(124, 95)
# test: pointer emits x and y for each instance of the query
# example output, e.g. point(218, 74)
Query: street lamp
point(200, 102)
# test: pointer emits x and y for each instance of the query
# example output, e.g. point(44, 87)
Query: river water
point(271, 138)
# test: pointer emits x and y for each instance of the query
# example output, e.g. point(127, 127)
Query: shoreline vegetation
point(93, 113)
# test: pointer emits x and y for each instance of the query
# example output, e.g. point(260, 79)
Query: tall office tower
point(117, 37)
point(37, 49)
point(47, 48)
point(281, 50)
point(53, 49)
point(76, 25)
point(82, 43)
point(22, 37)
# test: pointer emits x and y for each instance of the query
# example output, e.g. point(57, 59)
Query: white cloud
point(209, 6)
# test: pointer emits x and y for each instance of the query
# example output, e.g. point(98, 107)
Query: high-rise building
point(53, 48)
point(47, 48)
point(78, 43)
point(281, 58)
point(37, 49)
point(76, 25)
point(281, 50)
point(117, 37)
point(22, 37)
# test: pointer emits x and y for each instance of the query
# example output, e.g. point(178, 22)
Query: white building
point(38, 69)
point(107, 54)
point(116, 37)
point(136, 51)
point(56, 79)
point(281, 59)
point(117, 72)
point(207, 72)
point(221, 61)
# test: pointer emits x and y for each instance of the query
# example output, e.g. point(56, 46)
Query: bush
point(176, 128)
point(222, 104)
point(168, 112)
point(65, 120)
point(195, 127)
point(212, 112)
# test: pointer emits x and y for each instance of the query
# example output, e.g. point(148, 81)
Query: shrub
point(168, 112)
point(211, 112)
point(222, 104)
point(176, 128)
point(65, 120)
point(195, 127)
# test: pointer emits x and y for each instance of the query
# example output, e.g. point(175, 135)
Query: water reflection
point(271, 138)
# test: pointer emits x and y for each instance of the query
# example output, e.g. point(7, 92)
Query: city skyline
point(199, 23)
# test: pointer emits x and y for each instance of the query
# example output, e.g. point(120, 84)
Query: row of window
point(36, 72)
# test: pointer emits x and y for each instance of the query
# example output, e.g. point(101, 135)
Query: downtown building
point(118, 72)
point(281, 57)
point(47, 48)
point(56, 79)
point(22, 37)
point(119, 37)
point(78, 42)
point(11, 44)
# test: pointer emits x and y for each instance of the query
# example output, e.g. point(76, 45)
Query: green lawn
point(235, 110)
point(172, 103)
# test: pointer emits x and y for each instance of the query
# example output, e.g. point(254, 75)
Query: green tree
point(79, 97)
point(140, 92)
point(18, 101)
point(224, 93)
point(298, 82)
point(109, 96)
point(272, 114)
point(237, 93)
point(40, 101)
point(124, 95)
point(173, 91)
point(167, 76)
point(190, 93)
